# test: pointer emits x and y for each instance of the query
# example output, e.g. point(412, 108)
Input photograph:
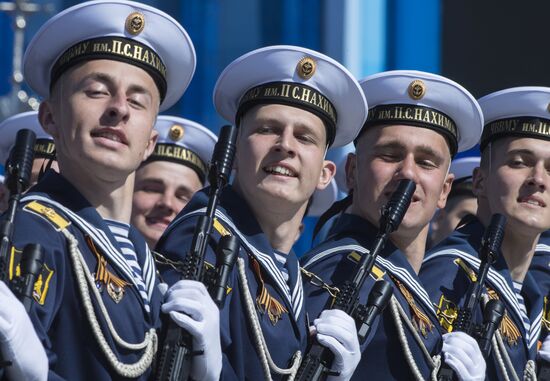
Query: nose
point(538, 177)
point(167, 201)
point(407, 169)
point(286, 142)
point(118, 109)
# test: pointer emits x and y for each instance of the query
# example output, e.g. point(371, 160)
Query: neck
point(413, 246)
point(111, 199)
point(518, 249)
point(281, 224)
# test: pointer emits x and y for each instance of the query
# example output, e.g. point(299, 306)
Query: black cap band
point(292, 94)
point(113, 48)
point(520, 126)
point(44, 148)
point(414, 115)
point(179, 155)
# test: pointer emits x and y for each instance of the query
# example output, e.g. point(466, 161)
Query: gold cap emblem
point(417, 89)
point(176, 132)
point(306, 67)
point(135, 22)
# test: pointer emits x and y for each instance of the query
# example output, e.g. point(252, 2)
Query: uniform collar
point(234, 213)
point(391, 258)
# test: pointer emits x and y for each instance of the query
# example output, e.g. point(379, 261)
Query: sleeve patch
point(42, 284)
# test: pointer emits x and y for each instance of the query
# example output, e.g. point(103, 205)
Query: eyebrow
point(109, 80)
point(422, 149)
point(521, 151)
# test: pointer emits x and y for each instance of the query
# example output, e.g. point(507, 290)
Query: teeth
point(109, 135)
point(280, 171)
point(533, 202)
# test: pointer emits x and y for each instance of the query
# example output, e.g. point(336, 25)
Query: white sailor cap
point(425, 100)
point(184, 142)
point(519, 111)
point(323, 199)
point(119, 30)
point(44, 146)
point(463, 168)
point(297, 77)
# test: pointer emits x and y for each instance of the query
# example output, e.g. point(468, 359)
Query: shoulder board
point(48, 213)
point(220, 228)
point(376, 272)
point(467, 269)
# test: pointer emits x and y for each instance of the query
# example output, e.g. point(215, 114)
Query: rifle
point(177, 344)
point(494, 310)
point(318, 359)
point(18, 171)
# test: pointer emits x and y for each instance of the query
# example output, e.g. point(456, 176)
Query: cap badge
point(306, 67)
point(176, 132)
point(135, 22)
point(417, 89)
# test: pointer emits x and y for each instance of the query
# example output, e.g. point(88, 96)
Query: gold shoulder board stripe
point(377, 273)
point(50, 214)
point(354, 256)
point(471, 273)
point(220, 228)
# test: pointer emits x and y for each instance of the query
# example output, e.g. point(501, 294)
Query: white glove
point(336, 330)
point(544, 351)
point(463, 355)
point(19, 342)
point(192, 308)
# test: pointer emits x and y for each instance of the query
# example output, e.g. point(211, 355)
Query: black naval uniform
point(382, 353)
point(447, 272)
point(279, 304)
point(58, 314)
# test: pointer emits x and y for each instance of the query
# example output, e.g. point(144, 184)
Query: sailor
point(290, 105)
point(417, 122)
point(513, 180)
point(44, 147)
point(167, 180)
point(461, 202)
point(103, 83)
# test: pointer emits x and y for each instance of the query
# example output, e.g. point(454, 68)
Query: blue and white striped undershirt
point(120, 231)
point(281, 259)
point(524, 316)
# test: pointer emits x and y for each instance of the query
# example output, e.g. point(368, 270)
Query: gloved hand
point(192, 308)
point(19, 342)
point(461, 352)
point(336, 330)
point(544, 351)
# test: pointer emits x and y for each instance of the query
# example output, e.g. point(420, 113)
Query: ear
point(150, 144)
point(47, 119)
point(478, 182)
point(351, 162)
point(447, 186)
point(327, 173)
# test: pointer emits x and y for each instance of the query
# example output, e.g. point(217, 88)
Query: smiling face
point(387, 154)
point(101, 115)
point(280, 156)
point(514, 179)
point(162, 189)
